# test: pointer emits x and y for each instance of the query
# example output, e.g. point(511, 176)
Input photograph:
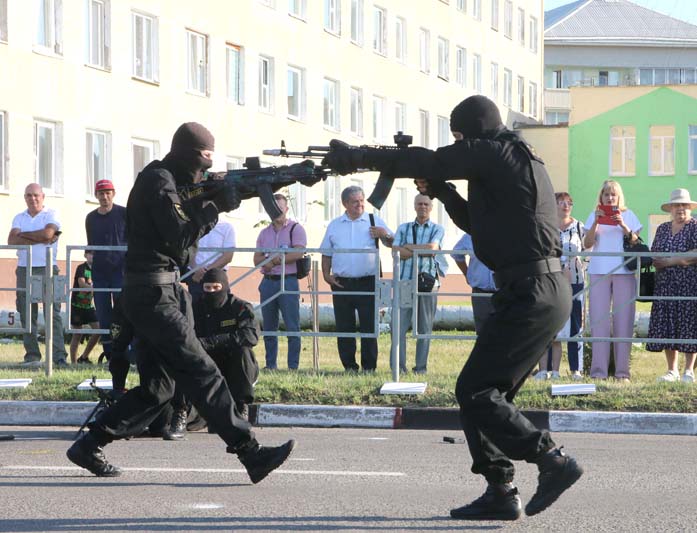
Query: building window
point(477, 9)
point(233, 163)
point(402, 203)
point(608, 78)
point(494, 83)
point(477, 73)
point(331, 200)
point(664, 76)
point(380, 30)
point(143, 151)
point(553, 118)
point(297, 8)
point(532, 89)
point(521, 94)
point(521, 26)
point(332, 16)
point(46, 154)
point(462, 5)
point(461, 66)
point(298, 201)
point(622, 150)
point(533, 35)
point(97, 159)
point(145, 43)
point(3, 172)
point(443, 58)
point(265, 83)
point(357, 22)
point(400, 33)
point(234, 58)
point(507, 88)
point(495, 15)
point(424, 127)
point(48, 29)
point(400, 116)
point(296, 93)
point(331, 103)
point(692, 149)
point(508, 19)
point(443, 131)
point(98, 33)
point(3, 21)
point(357, 111)
point(424, 50)
point(197, 62)
point(661, 150)
point(378, 118)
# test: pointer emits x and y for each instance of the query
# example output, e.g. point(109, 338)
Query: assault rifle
point(256, 181)
point(384, 184)
point(106, 399)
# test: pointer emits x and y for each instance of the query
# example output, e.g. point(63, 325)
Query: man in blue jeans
point(281, 233)
point(106, 226)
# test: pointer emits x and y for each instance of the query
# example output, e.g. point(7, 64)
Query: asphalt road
point(337, 480)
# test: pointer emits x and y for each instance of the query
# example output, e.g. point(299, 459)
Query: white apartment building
point(94, 89)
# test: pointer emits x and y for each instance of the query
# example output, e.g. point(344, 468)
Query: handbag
point(638, 246)
point(425, 280)
point(647, 283)
point(304, 264)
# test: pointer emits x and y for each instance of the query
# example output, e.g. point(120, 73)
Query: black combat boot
point(87, 453)
point(558, 472)
point(177, 428)
point(260, 461)
point(500, 501)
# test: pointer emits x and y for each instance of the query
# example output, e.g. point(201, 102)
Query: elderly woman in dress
point(675, 276)
point(611, 283)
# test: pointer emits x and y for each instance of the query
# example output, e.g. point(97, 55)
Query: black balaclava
point(476, 117)
point(215, 300)
point(187, 143)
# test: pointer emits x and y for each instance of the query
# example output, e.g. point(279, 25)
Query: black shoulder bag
point(426, 280)
point(638, 246)
point(304, 264)
point(377, 241)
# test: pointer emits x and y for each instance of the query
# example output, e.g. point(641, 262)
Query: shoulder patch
point(226, 323)
point(180, 211)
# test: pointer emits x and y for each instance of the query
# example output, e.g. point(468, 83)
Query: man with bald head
point(422, 234)
point(39, 227)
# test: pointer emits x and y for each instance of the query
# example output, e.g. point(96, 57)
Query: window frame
point(400, 31)
point(149, 144)
point(508, 19)
point(234, 88)
point(461, 6)
point(692, 149)
point(508, 87)
point(331, 104)
point(3, 21)
point(102, 171)
point(662, 139)
point(356, 110)
point(521, 94)
point(532, 98)
point(443, 58)
point(300, 72)
point(534, 48)
point(300, 11)
point(103, 61)
point(357, 21)
point(378, 121)
point(54, 127)
point(495, 15)
point(265, 79)
point(477, 10)
point(624, 140)
point(54, 39)
point(332, 17)
point(521, 27)
point(3, 151)
point(201, 73)
point(424, 50)
point(152, 45)
point(424, 128)
point(443, 130)
point(494, 81)
point(400, 117)
point(380, 30)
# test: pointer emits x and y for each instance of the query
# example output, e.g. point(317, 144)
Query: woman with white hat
point(675, 276)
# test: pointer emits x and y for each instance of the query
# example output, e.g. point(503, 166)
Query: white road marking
point(212, 471)
point(301, 459)
point(374, 438)
point(206, 506)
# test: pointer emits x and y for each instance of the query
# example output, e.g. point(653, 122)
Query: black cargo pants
point(528, 313)
point(169, 352)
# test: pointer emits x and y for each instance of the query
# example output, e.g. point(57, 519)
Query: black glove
point(304, 172)
point(436, 188)
point(228, 199)
point(343, 158)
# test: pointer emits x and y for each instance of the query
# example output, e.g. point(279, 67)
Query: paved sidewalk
point(30, 413)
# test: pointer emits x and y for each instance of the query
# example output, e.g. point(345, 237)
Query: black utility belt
point(549, 265)
point(151, 278)
point(363, 278)
point(277, 278)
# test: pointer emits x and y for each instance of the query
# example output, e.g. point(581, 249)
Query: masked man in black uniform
point(533, 301)
point(163, 225)
point(227, 329)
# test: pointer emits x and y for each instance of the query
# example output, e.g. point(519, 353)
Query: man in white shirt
point(354, 272)
point(221, 236)
point(37, 226)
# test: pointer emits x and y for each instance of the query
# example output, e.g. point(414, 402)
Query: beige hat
point(679, 196)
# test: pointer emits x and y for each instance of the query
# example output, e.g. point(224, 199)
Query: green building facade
point(648, 145)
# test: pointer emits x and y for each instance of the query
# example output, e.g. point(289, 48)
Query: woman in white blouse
point(612, 285)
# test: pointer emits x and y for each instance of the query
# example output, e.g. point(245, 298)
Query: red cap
point(103, 185)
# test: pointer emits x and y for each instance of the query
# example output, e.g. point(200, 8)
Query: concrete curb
point(34, 413)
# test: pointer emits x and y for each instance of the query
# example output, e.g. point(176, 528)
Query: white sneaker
point(555, 375)
point(688, 377)
point(541, 375)
point(671, 375)
point(576, 375)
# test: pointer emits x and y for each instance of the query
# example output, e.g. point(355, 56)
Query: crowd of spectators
point(610, 285)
